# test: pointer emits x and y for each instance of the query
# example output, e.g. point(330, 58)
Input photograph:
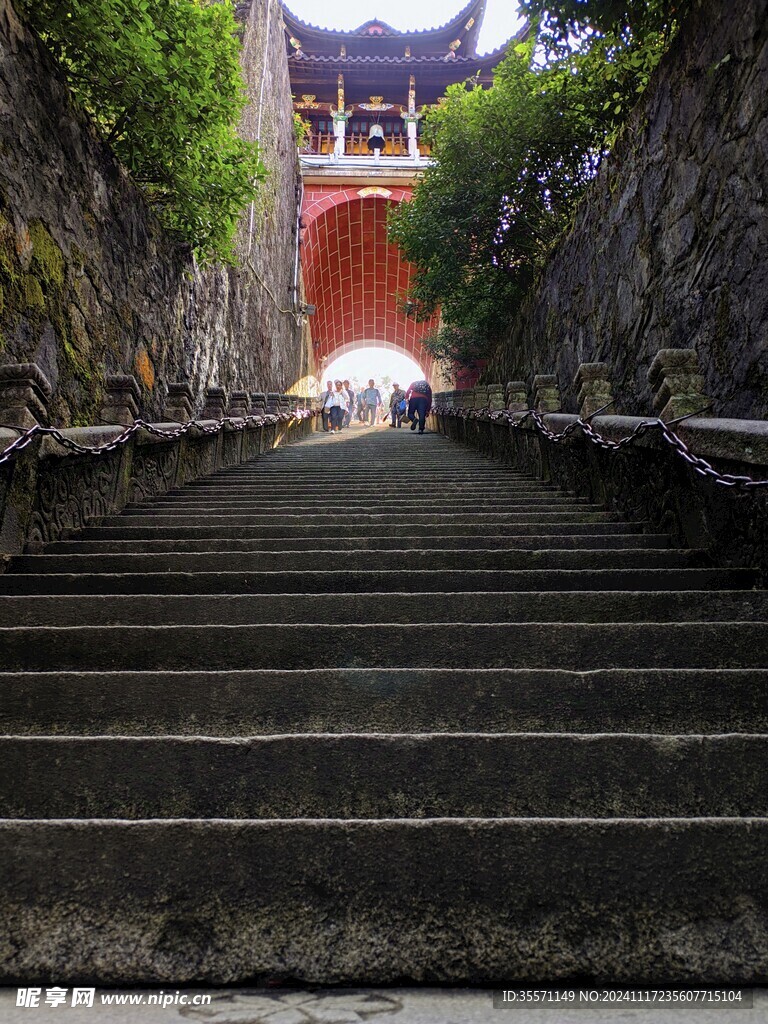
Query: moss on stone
point(33, 293)
point(47, 257)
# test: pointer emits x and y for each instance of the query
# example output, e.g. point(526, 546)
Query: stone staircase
point(372, 709)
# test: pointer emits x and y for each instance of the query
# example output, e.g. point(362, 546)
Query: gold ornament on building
point(377, 103)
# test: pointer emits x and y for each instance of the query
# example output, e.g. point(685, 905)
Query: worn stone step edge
point(402, 775)
point(364, 581)
point(396, 607)
point(317, 558)
point(324, 532)
point(343, 543)
point(574, 646)
point(370, 902)
point(268, 701)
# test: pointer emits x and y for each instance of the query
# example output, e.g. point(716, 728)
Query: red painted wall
point(355, 276)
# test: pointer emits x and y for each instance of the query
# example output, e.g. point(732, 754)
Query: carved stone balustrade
point(178, 406)
point(546, 393)
point(238, 404)
point(215, 407)
point(517, 396)
point(674, 376)
point(594, 383)
point(121, 400)
point(24, 395)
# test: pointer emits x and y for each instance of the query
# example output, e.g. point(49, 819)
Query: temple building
point(364, 94)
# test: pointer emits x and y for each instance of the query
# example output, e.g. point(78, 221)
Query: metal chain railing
point(205, 427)
point(699, 464)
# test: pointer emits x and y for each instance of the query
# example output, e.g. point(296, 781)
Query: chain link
point(237, 423)
point(699, 464)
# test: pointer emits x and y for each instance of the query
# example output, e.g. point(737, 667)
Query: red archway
point(355, 276)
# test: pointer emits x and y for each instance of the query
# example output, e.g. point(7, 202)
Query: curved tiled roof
point(474, 9)
point(313, 58)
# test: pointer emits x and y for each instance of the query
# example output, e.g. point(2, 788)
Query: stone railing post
point(121, 401)
point(273, 403)
point(594, 383)
point(24, 395)
point(546, 394)
point(674, 376)
point(496, 397)
point(258, 403)
point(178, 406)
point(517, 396)
point(215, 407)
point(238, 405)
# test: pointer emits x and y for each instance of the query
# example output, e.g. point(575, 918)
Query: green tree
point(161, 81)
point(511, 164)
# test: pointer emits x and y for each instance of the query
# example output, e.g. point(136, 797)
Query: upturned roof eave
point(450, 30)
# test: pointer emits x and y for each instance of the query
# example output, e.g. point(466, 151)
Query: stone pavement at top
point(368, 1006)
point(374, 709)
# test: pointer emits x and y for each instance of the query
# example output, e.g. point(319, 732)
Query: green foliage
point(639, 19)
point(512, 163)
point(162, 82)
point(301, 129)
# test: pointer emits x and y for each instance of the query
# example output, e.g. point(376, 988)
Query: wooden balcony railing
point(356, 144)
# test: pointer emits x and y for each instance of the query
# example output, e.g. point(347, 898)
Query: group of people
point(340, 403)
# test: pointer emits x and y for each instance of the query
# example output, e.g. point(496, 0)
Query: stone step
point(372, 520)
point(118, 533)
point(569, 646)
point(280, 506)
point(595, 541)
point(463, 901)
point(471, 775)
point(276, 701)
point(377, 581)
point(426, 559)
point(402, 607)
point(279, 503)
point(372, 478)
point(261, 491)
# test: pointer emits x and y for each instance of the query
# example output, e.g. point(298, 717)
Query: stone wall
point(670, 247)
point(90, 283)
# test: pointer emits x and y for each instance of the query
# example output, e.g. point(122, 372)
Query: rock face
point(91, 285)
point(670, 248)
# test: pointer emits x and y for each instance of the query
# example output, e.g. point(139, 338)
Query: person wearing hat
point(397, 406)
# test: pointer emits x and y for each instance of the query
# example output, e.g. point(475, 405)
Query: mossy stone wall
point(90, 284)
point(670, 246)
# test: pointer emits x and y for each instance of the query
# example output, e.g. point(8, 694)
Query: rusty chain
point(699, 464)
point(204, 427)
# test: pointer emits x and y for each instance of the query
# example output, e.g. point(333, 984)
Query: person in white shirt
point(325, 409)
point(336, 404)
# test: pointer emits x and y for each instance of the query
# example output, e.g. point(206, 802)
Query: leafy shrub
point(161, 80)
point(513, 161)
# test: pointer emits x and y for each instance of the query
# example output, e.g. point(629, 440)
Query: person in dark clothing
point(397, 406)
point(350, 403)
point(419, 397)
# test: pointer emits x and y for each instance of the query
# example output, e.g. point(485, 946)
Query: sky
point(373, 362)
point(501, 18)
